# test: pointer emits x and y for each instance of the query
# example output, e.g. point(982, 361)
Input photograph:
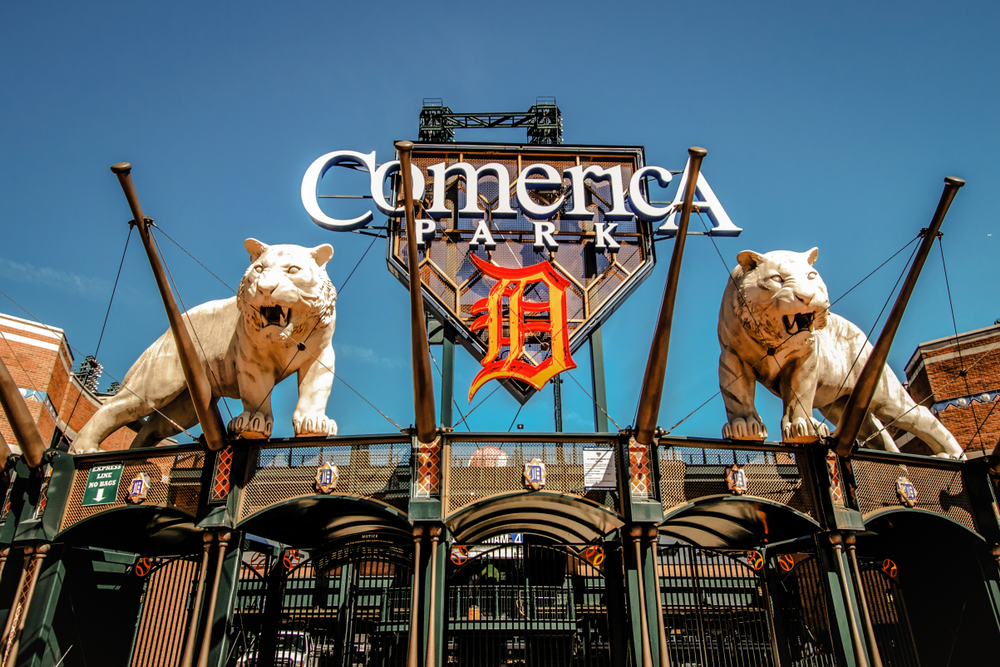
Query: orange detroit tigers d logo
point(523, 319)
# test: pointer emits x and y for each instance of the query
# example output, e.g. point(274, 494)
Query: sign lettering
point(102, 485)
point(626, 203)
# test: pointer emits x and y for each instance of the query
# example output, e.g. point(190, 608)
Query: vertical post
point(647, 658)
point(194, 370)
point(557, 404)
point(206, 641)
point(597, 379)
point(15, 646)
point(447, 376)
point(17, 594)
point(435, 532)
point(188, 656)
point(445, 473)
point(851, 541)
point(652, 534)
point(413, 652)
point(836, 539)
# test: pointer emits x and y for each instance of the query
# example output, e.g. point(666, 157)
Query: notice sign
point(102, 485)
point(599, 469)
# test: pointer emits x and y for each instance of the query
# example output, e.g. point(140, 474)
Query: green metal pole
point(597, 377)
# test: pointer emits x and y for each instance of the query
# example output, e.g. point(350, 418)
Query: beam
point(194, 370)
point(656, 368)
point(24, 427)
point(861, 398)
point(423, 380)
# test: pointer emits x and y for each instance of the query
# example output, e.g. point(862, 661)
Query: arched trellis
point(736, 522)
point(563, 518)
point(317, 522)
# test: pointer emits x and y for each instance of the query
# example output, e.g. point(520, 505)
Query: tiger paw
point(749, 428)
point(251, 425)
point(314, 424)
point(799, 431)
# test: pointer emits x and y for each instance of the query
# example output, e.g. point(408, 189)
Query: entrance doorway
point(514, 601)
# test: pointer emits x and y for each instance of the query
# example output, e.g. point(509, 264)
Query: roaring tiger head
point(779, 295)
point(286, 291)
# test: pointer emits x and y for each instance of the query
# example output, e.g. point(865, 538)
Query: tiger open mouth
point(275, 315)
point(798, 323)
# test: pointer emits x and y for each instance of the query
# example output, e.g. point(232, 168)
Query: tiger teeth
point(275, 315)
point(798, 323)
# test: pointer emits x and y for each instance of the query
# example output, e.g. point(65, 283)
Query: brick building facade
point(958, 379)
point(41, 363)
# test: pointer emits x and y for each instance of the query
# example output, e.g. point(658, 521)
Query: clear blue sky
point(826, 124)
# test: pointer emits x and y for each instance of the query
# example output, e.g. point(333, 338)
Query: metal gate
point(518, 603)
point(349, 607)
point(715, 607)
point(166, 607)
point(800, 604)
point(887, 609)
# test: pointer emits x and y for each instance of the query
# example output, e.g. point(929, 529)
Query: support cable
point(114, 288)
point(750, 312)
point(302, 343)
point(80, 352)
point(454, 402)
point(958, 345)
point(186, 315)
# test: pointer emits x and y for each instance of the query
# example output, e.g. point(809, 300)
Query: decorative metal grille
point(8, 488)
point(688, 473)
point(379, 470)
point(714, 608)
point(526, 604)
point(887, 610)
point(350, 607)
point(222, 475)
point(801, 603)
point(18, 611)
point(479, 469)
point(165, 613)
point(939, 486)
point(176, 483)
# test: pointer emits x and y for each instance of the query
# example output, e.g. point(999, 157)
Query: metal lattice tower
point(543, 121)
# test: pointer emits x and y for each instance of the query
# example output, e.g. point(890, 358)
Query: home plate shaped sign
point(525, 250)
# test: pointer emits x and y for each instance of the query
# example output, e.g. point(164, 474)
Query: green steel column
point(840, 623)
point(619, 599)
point(597, 375)
point(228, 588)
point(434, 597)
point(36, 645)
point(447, 377)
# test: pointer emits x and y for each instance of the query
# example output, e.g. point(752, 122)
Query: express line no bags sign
point(102, 485)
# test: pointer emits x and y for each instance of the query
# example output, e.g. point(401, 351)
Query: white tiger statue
point(281, 322)
point(775, 328)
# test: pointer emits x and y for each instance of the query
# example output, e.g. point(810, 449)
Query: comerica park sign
point(524, 250)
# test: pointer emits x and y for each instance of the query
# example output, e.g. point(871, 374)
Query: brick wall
point(959, 381)
point(41, 363)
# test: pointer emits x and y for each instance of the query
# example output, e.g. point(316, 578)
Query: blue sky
point(828, 125)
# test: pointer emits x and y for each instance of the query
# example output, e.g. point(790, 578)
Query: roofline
point(914, 363)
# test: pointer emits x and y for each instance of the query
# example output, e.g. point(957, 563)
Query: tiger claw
point(251, 425)
point(749, 428)
point(800, 431)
